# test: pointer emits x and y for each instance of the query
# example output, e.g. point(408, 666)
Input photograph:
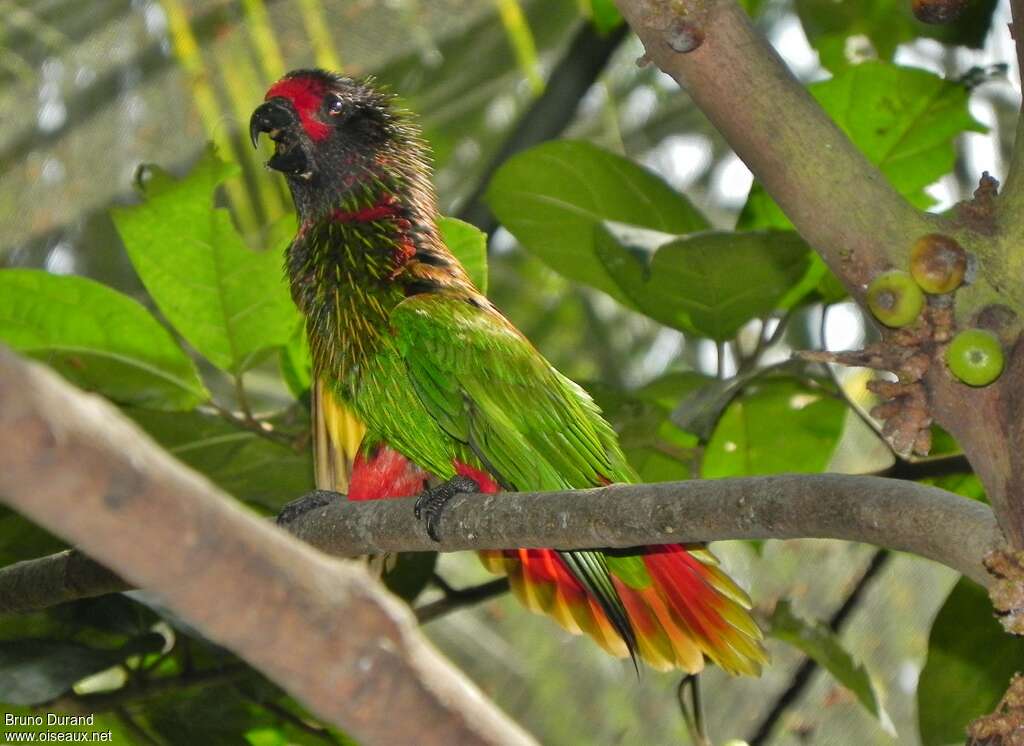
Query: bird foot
point(301, 506)
point(431, 502)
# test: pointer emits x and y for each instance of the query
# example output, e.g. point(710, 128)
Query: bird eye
point(334, 105)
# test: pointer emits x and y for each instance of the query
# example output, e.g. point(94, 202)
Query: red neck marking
point(306, 95)
point(385, 207)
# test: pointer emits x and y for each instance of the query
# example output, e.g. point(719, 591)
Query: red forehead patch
point(306, 95)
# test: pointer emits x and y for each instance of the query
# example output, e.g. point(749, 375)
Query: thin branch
point(890, 513)
point(802, 678)
point(338, 643)
point(461, 598)
point(254, 425)
point(841, 204)
point(58, 578)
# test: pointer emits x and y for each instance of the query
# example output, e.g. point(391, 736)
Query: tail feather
point(689, 609)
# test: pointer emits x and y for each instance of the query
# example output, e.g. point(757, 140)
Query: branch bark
point(889, 513)
point(322, 629)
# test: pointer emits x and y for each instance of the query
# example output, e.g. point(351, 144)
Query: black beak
point(278, 119)
point(273, 117)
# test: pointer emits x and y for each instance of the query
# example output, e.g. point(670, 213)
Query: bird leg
point(309, 501)
point(430, 503)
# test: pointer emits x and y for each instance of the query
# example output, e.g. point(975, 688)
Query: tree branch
point(838, 201)
point(323, 630)
point(889, 513)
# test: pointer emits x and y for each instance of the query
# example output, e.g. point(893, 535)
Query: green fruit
point(894, 298)
point(975, 357)
point(938, 263)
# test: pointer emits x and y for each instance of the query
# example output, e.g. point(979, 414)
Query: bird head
point(330, 132)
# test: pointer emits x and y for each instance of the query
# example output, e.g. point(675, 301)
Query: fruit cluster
point(937, 267)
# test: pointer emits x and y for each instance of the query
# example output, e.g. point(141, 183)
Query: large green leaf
point(229, 302)
point(776, 426)
point(970, 662)
point(709, 283)
point(35, 671)
point(98, 338)
point(469, 245)
point(824, 647)
point(553, 196)
point(886, 24)
point(250, 467)
point(903, 119)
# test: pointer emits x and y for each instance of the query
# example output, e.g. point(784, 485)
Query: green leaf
point(229, 302)
point(970, 662)
point(604, 15)
point(469, 245)
point(36, 671)
point(658, 449)
point(750, 435)
point(886, 24)
point(259, 471)
point(905, 121)
point(553, 196)
point(708, 283)
point(297, 364)
point(824, 647)
point(410, 574)
point(96, 337)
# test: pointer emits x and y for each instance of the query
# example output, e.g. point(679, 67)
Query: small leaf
point(905, 122)
point(769, 412)
point(98, 338)
point(469, 245)
point(824, 647)
point(36, 671)
point(970, 663)
point(708, 283)
point(552, 196)
point(229, 302)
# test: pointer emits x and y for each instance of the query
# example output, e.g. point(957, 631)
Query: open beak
point(279, 121)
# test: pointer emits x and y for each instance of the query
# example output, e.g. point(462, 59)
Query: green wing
point(530, 426)
point(488, 387)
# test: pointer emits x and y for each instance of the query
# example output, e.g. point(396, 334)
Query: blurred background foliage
point(629, 277)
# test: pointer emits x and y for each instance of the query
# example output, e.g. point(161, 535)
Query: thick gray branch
point(322, 629)
point(889, 513)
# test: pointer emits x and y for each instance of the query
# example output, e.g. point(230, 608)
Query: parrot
point(422, 388)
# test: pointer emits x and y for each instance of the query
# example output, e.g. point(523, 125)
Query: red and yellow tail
point(685, 610)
